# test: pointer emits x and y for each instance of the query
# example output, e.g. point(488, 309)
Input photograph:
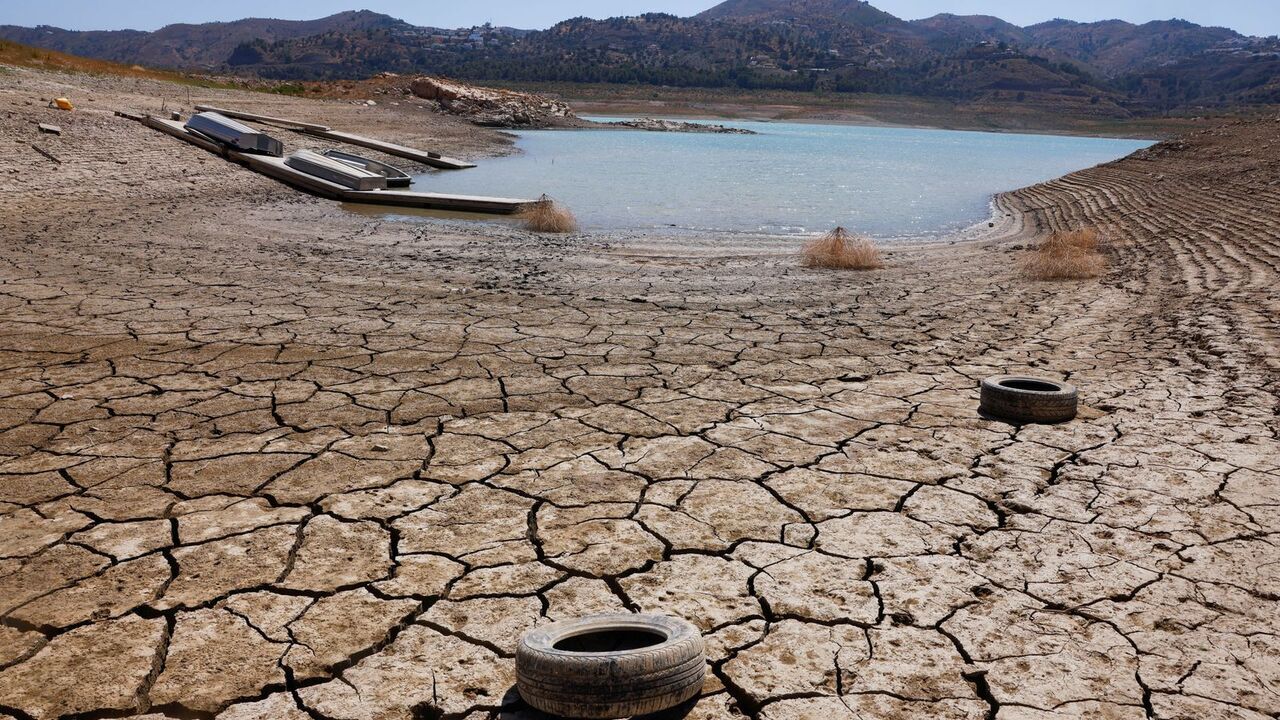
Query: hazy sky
point(1255, 17)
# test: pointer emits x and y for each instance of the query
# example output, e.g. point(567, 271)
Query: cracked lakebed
point(262, 458)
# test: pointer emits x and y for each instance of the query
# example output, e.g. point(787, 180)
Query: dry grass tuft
point(549, 216)
point(842, 250)
point(1073, 255)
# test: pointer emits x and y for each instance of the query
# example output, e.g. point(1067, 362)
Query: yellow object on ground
point(64, 104)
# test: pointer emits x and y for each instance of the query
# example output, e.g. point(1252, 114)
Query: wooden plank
point(435, 160)
point(50, 129)
point(45, 153)
point(437, 201)
point(293, 124)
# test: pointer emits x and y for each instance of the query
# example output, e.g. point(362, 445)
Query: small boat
point(396, 178)
point(335, 171)
point(234, 134)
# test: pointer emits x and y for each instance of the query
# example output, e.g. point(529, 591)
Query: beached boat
point(396, 178)
point(236, 135)
point(345, 174)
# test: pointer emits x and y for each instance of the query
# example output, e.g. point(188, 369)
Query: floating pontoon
point(426, 157)
point(277, 168)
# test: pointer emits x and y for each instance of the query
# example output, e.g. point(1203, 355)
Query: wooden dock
point(276, 168)
point(283, 122)
point(432, 159)
point(426, 157)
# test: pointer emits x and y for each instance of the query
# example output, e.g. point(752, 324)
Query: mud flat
point(261, 457)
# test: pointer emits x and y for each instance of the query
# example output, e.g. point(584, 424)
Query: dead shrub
point(548, 216)
point(1075, 255)
point(842, 250)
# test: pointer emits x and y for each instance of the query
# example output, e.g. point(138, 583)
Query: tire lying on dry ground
point(610, 666)
point(1029, 400)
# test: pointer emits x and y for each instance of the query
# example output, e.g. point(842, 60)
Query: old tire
point(610, 666)
point(1029, 400)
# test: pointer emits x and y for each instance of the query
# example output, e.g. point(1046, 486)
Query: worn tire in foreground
point(610, 666)
point(1029, 400)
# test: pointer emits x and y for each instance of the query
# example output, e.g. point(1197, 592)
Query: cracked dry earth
point(264, 458)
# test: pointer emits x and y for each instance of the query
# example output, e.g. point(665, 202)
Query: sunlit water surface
point(791, 178)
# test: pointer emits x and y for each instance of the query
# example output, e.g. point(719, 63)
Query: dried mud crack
point(261, 457)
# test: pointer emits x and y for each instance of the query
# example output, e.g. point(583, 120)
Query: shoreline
point(940, 237)
point(890, 111)
point(868, 122)
point(969, 233)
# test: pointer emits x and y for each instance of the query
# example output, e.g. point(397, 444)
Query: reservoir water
point(791, 178)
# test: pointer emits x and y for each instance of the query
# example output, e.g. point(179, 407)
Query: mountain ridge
point(187, 46)
point(846, 46)
point(846, 11)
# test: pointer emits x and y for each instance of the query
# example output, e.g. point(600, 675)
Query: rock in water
point(655, 125)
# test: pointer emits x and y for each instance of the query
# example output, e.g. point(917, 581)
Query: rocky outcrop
point(489, 107)
point(493, 108)
point(655, 125)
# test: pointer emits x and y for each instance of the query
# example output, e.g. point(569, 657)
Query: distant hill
point(19, 55)
point(1110, 69)
point(947, 31)
point(1242, 73)
point(205, 46)
point(1116, 47)
point(853, 12)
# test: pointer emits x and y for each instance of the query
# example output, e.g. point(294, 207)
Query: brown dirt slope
point(1196, 221)
point(16, 54)
point(107, 159)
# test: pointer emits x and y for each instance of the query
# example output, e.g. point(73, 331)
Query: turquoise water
point(791, 178)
